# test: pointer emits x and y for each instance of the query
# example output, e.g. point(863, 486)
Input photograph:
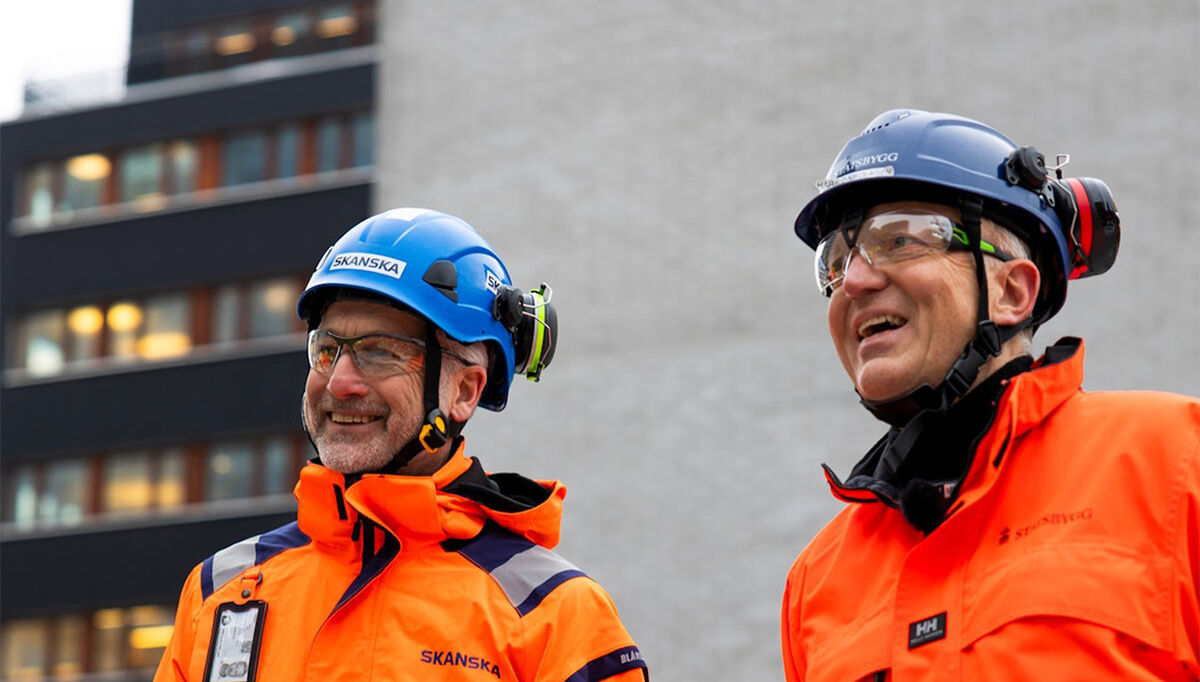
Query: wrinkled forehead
point(356, 316)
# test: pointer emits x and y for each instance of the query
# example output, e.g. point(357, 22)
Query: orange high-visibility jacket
point(443, 577)
point(1072, 553)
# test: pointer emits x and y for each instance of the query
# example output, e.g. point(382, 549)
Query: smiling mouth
point(879, 323)
point(339, 418)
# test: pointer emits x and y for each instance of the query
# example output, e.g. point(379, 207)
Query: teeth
point(340, 418)
point(878, 324)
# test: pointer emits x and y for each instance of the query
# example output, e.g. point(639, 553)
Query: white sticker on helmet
point(406, 213)
point(830, 183)
point(492, 282)
point(369, 262)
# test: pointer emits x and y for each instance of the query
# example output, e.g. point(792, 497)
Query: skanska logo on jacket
point(369, 262)
point(458, 658)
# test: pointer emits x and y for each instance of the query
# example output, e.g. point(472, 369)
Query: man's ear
point(464, 392)
point(1013, 291)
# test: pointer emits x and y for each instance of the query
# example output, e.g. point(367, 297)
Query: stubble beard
point(350, 453)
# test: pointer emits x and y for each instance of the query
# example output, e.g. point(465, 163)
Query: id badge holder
point(236, 640)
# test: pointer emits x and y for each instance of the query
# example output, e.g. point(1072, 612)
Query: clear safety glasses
point(375, 355)
point(892, 238)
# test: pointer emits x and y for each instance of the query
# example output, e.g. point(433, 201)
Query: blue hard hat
point(429, 262)
point(905, 154)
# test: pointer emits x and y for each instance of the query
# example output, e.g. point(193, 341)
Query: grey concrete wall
point(647, 159)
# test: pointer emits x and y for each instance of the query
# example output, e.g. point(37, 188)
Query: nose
point(861, 277)
point(344, 378)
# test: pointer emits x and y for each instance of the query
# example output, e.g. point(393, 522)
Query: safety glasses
point(375, 355)
point(892, 238)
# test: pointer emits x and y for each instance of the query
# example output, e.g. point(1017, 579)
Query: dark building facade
point(151, 252)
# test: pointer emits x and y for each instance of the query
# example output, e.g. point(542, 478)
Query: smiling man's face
point(903, 324)
point(359, 424)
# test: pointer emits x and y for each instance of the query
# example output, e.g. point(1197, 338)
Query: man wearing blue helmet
point(407, 560)
point(1008, 526)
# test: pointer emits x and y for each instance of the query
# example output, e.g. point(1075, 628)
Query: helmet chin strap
point(438, 429)
point(986, 344)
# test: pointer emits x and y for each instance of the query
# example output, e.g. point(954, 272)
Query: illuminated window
point(226, 313)
point(141, 174)
point(67, 657)
point(126, 481)
point(20, 495)
point(149, 631)
point(235, 42)
point(184, 160)
point(64, 497)
point(329, 144)
point(272, 306)
point(26, 648)
point(336, 24)
point(40, 342)
point(287, 157)
point(84, 325)
point(364, 140)
point(290, 34)
point(39, 193)
point(245, 157)
point(124, 320)
point(108, 626)
point(84, 177)
point(167, 330)
point(229, 471)
point(170, 489)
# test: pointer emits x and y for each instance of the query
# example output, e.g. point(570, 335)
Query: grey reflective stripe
point(232, 560)
point(525, 571)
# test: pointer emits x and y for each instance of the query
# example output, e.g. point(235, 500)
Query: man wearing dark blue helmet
point(1009, 525)
point(407, 560)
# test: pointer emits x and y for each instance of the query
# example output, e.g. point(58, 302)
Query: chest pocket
point(852, 651)
point(1108, 585)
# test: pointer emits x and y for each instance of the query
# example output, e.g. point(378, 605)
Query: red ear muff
point(1092, 224)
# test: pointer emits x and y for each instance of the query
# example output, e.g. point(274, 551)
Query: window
point(287, 158)
point(229, 470)
point(235, 43)
point(167, 332)
point(84, 324)
point(291, 34)
point(66, 661)
point(183, 159)
point(279, 475)
point(126, 482)
point(149, 629)
point(272, 306)
point(64, 499)
point(245, 157)
point(124, 319)
point(20, 495)
point(26, 648)
point(336, 25)
point(83, 182)
point(170, 490)
point(39, 193)
point(40, 342)
point(329, 144)
point(364, 140)
point(141, 173)
point(226, 313)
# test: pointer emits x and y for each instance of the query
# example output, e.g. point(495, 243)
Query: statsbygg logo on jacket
point(461, 660)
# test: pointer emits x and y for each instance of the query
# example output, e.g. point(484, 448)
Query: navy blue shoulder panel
point(525, 571)
point(221, 567)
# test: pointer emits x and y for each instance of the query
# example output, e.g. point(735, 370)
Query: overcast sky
point(48, 39)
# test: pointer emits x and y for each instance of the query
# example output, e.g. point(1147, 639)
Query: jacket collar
point(425, 510)
point(1026, 400)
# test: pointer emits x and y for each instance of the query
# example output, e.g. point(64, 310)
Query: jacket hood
point(452, 504)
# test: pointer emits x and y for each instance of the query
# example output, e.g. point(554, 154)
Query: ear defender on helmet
point(533, 322)
point(1084, 206)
